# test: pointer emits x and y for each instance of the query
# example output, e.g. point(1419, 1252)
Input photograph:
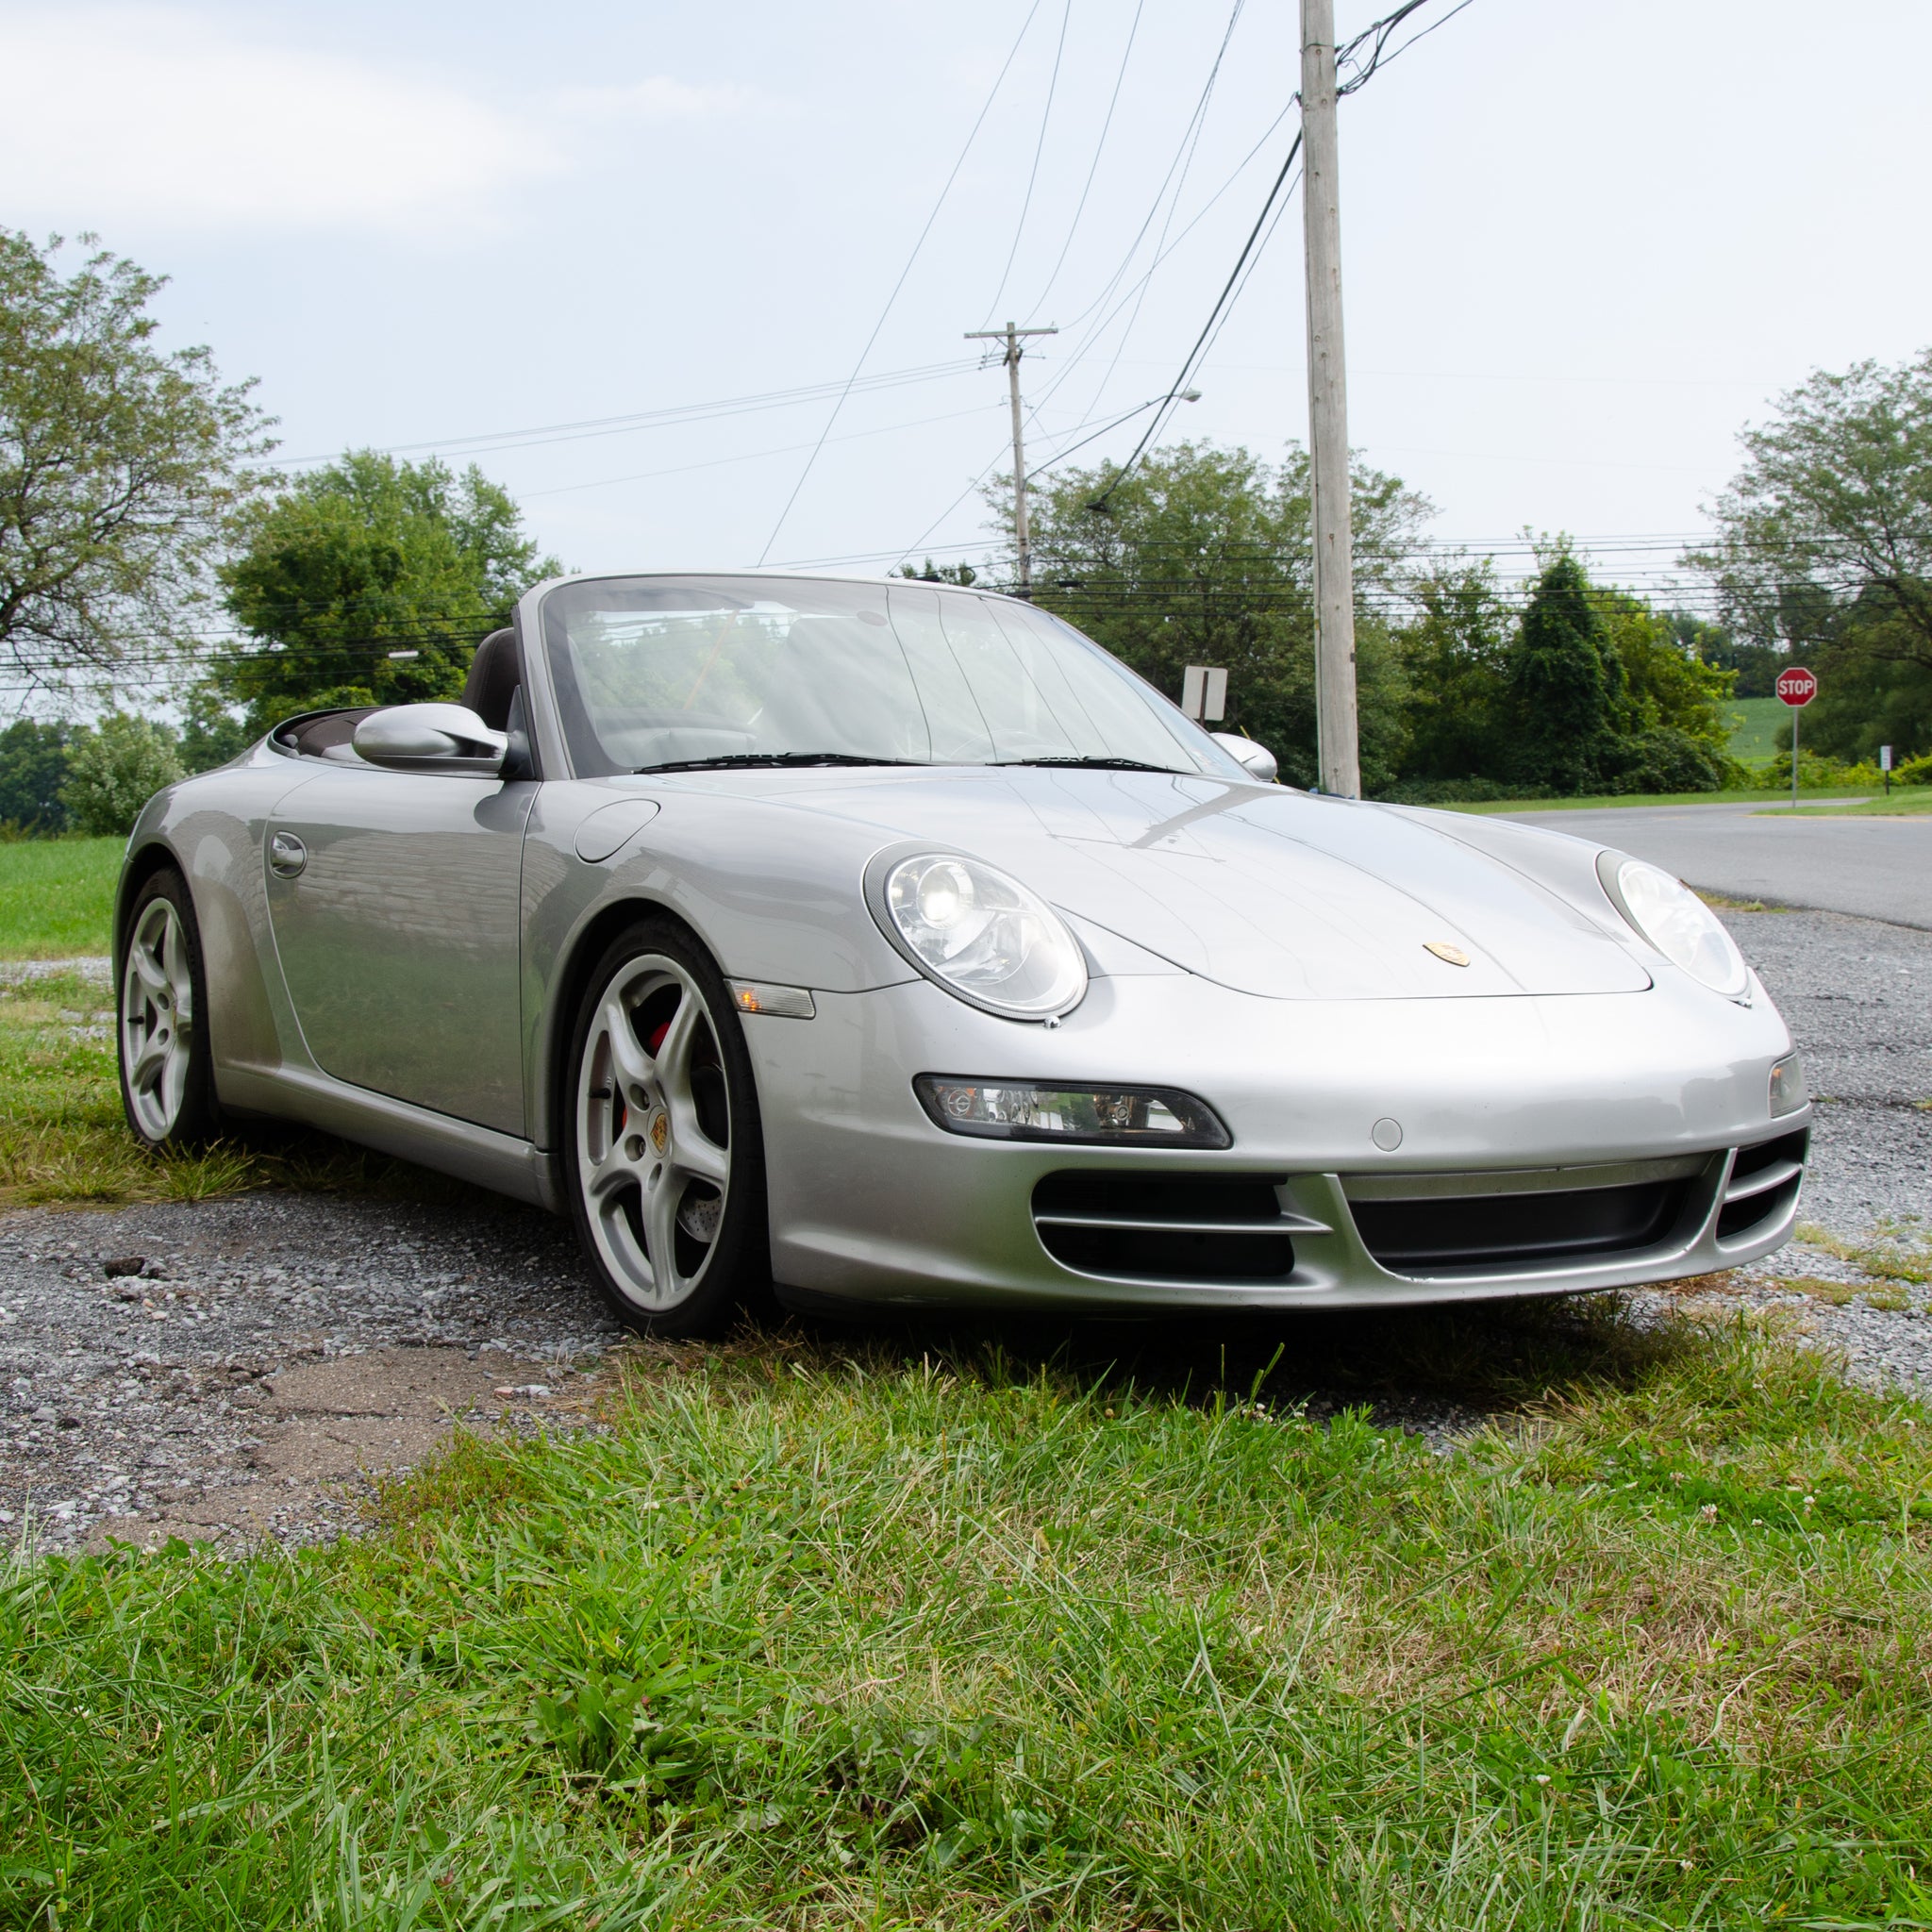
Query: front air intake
point(1166, 1227)
point(1491, 1232)
point(1763, 1184)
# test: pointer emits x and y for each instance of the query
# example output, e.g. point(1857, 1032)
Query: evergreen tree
point(1562, 687)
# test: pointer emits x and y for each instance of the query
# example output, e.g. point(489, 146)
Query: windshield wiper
point(772, 760)
point(1101, 765)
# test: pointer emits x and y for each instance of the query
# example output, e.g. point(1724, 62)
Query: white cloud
point(656, 99)
point(140, 115)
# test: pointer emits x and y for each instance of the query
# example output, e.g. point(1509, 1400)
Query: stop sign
point(1797, 686)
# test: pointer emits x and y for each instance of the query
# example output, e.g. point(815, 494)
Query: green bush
point(1817, 773)
point(1914, 772)
point(113, 768)
point(1665, 758)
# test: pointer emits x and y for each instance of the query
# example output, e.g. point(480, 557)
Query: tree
point(1717, 645)
point(113, 768)
point(211, 734)
point(1589, 690)
point(370, 582)
point(1563, 681)
point(961, 574)
point(1203, 556)
point(1456, 661)
point(33, 768)
point(118, 464)
point(1824, 544)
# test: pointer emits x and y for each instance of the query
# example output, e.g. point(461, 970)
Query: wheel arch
point(142, 861)
point(566, 991)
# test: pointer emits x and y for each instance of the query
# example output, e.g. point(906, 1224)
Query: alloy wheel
point(156, 1019)
point(654, 1132)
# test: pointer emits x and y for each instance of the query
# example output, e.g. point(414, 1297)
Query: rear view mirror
point(1257, 761)
point(431, 738)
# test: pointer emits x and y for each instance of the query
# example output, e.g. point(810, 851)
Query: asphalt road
point(1872, 868)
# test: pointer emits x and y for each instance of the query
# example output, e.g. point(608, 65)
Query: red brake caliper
point(653, 1040)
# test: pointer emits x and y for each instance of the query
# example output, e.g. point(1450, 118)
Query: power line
point(1375, 38)
point(1378, 32)
point(972, 135)
point(1039, 148)
point(1033, 412)
point(754, 454)
point(1192, 146)
point(1220, 302)
point(485, 442)
point(1093, 166)
point(1161, 193)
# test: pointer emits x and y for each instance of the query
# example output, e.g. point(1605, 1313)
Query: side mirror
point(431, 738)
point(1257, 761)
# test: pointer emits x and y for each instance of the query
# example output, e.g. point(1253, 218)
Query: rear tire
point(663, 1148)
point(167, 1071)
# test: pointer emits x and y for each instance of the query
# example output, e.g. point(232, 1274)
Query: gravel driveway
point(268, 1352)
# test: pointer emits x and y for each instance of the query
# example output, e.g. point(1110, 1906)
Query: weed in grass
point(1840, 1295)
point(1724, 903)
point(63, 1137)
point(887, 1633)
point(1902, 1252)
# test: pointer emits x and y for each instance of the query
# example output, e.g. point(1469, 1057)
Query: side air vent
point(1763, 1184)
point(1169, 1227)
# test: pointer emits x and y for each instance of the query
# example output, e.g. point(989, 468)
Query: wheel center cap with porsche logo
point(660, 1133)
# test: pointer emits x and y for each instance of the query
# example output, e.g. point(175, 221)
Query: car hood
point(1267, 891)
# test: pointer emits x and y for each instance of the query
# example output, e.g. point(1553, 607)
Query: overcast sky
point(1582, 244)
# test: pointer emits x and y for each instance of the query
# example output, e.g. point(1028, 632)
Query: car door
point(395, 900)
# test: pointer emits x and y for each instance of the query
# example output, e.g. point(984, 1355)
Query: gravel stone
point(123, 1399)
point(1857, 997)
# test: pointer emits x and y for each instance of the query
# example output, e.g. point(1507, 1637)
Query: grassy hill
point(1754, 723)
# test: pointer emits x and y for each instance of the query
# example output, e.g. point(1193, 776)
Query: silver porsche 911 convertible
point(891, 944)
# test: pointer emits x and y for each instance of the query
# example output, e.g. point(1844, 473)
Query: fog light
point(1106, 1116)
point(1788, 1092)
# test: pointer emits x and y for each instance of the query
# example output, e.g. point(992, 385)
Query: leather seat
point(495, 671)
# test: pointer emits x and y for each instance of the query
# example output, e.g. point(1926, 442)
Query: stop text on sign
point(1797, 686)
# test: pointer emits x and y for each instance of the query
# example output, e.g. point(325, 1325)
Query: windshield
point(654, 673)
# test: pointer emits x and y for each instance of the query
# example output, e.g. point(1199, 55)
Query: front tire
point(167, 1071)
point(664, 1154)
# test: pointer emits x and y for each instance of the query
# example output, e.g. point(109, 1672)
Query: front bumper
point(1649, 1111)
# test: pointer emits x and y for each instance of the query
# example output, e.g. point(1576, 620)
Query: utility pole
point(1011, 336)
point(1334, 713)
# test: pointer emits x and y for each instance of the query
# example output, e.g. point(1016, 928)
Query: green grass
point(56, 897)
point(1754, 723)
point(904, 1635)
point(64, 1138)
point(1907, 801)
point(1613, 800)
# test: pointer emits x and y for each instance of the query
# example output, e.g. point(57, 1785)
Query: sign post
point(1884, 766)
point(1796, 688)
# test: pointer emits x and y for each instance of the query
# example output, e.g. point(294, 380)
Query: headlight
point(1108, 1116)
point(981, 935)
point(1671, 917)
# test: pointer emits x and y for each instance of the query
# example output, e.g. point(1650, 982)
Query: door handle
point(286, 855)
